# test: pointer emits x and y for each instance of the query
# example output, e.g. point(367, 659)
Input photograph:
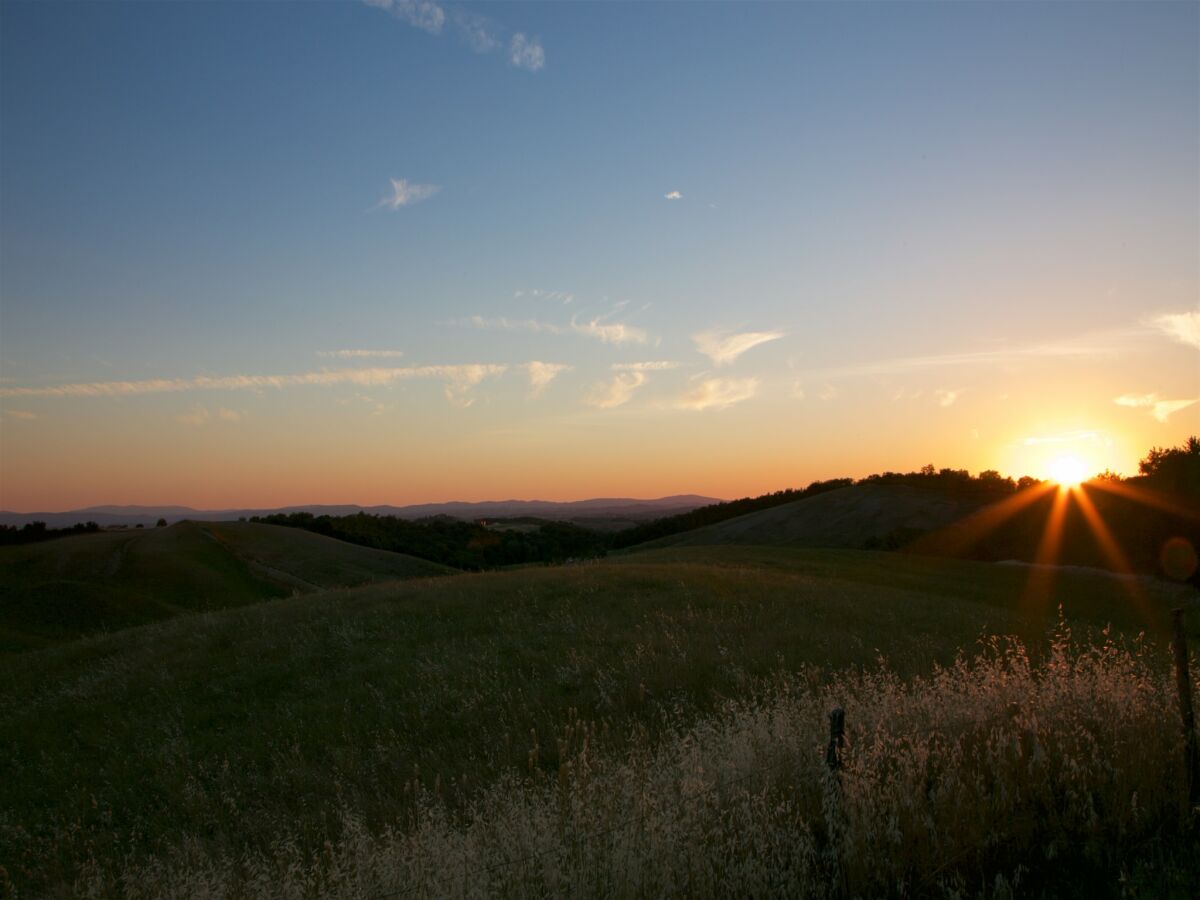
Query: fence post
point(837, 739)
point(1183, 685)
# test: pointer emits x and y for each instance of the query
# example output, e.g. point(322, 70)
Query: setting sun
point(1068, 471)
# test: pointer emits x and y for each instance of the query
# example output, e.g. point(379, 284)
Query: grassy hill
point(849, 517)
point(289, 723)
point(114, 579)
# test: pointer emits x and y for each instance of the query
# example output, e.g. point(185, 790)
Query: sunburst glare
point(1068, 471)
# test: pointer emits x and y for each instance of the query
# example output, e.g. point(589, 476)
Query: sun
point(1068, 471)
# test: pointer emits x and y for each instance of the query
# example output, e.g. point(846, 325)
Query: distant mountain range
point(599, 510)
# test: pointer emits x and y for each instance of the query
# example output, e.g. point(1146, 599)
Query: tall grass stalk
point(990, 777)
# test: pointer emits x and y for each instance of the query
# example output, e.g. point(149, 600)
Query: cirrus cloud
point(406, 193)
point(718, 393)
point(526, 52)
point(459, 380)
point(1181, 327)
point(608, 332)
point(618, 391)
point(360, 354)
point(542, 373)
point(659, 365)
point(724, 348)
point(1160, 409)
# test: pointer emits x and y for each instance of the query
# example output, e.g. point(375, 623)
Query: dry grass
point(990, 777)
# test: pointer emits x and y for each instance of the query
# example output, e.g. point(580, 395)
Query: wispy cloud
point(1181, 327)
point(423, 14)
point(526, 52)
point(608, 332)
point(718, 393)
point(946, 397)
point(1099, 346)
point(500, 323)
point(19, 414)
point(618, 391)
point(1160, 409)
point(673, 195)
point(651, 366)
point(405, 193)
point(459, 379)
point(724, 348)
point(542, 373)
point(360, 354)
point(481, 33)
point(563, 297)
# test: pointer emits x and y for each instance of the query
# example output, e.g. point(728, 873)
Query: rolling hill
point(850, 517)
point(114, 579)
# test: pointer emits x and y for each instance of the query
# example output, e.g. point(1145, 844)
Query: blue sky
point(993, 205)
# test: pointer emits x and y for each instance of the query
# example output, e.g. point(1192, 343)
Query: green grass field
point(78, 585)
point(229, 730)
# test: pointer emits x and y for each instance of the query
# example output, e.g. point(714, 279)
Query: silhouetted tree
point(1174, 469)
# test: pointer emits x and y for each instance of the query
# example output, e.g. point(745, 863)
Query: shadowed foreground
point(646, 725)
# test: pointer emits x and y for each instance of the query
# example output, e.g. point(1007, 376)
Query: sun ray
point(956, 538)
point(1146, 497)
point(1111, 550)
point(1040, 584)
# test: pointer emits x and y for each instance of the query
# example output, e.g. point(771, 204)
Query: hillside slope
point(94, 582)
point(245, 727)
point(850, 518)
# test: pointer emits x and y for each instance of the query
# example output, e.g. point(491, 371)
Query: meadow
point(649, 724)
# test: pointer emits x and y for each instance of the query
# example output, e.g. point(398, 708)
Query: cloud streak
point(946, 397)
point(618, 391)
point(406, 193)
point(422, 14)
point(651, 366)
point(1160, 409)
point(903, 364)
point(542, 373)
point(1181, 327)
point(481, 34)
point(718, 393)
point(459, 378)
point(723, 349)
point(608, 332)
point(360, 354)
point(526, 52)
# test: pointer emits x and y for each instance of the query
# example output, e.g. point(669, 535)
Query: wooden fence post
point(1183, 685)
point(837, 739)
